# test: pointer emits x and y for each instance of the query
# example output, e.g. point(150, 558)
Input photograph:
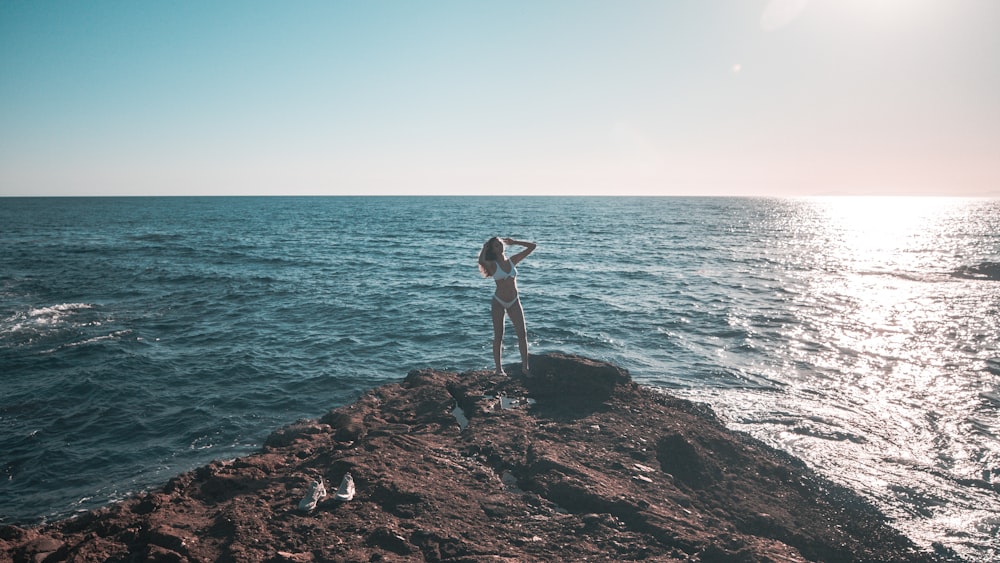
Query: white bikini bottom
point(505, 304)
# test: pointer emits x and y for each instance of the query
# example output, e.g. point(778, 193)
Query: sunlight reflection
point(880, 231)
point(878, 345)
point(886, 320)
point(878, 308)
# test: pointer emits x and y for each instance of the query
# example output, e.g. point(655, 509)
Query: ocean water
point(142, 337)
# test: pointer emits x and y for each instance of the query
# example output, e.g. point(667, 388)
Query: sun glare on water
point(882, 233)
point(880, 252)
point(891, 339)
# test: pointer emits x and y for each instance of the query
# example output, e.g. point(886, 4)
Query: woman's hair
point(487, 254)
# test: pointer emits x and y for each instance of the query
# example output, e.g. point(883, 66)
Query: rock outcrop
point(574, 463)
point(981, 271)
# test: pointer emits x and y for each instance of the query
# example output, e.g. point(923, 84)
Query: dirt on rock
point(575, 463)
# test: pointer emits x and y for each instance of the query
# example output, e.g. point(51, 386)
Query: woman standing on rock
point(494, 263)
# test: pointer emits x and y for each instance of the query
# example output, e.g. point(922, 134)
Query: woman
point(494, 263)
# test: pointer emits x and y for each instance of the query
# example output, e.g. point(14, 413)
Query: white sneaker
point(346, 490)
point(316, 491)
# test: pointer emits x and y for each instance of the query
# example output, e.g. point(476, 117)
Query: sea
point(143, 337)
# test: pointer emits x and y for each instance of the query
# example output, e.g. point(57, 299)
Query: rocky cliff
point(575, 463)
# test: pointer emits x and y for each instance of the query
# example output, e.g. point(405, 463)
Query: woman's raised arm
point(529, 247)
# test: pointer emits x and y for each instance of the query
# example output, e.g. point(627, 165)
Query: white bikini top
point(502, 275)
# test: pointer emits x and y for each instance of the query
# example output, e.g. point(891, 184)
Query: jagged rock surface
point(575, 463)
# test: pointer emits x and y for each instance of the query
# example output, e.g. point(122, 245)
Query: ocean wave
point(33, 323)
point(117, 335)
point(56, 312)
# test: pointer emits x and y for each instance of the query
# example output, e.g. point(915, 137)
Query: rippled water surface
point(141, 337)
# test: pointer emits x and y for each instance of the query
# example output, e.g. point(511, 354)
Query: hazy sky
point(658, 97)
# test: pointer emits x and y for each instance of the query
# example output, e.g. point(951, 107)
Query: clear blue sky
point(741, 97)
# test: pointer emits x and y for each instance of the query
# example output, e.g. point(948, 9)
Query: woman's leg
point(516, 314)
point(497, 313)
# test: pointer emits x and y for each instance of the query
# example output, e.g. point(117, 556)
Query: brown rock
point(288, 435)
point(576, 462)
point(348, 427)
point(42, 548)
